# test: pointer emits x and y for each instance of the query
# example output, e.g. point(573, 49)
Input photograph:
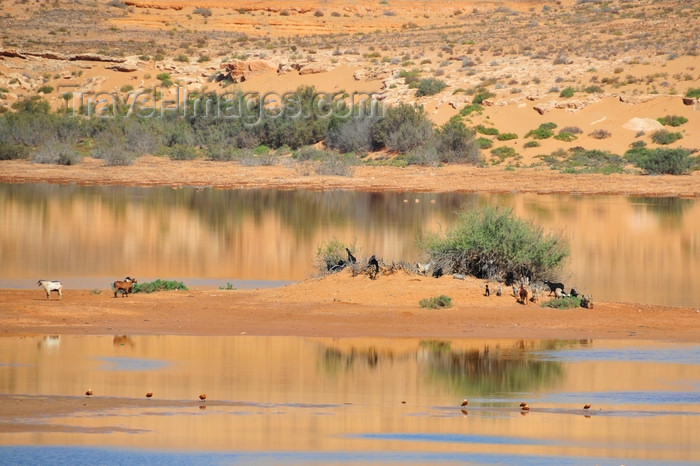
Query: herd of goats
point(521, 294)
point(372, 268)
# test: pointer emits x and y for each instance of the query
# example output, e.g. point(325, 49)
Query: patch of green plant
point(469, 109)
point(491, 242)
point(229, 287)
point(672, 120)
point(489, 131)
point(96, 291)
point(665, 137)
point(484, 143)
point(507, 136)
point(429, 86)
point(567, 92)
point(410, 77)
point(261, 150)
point(158, 285)
point(544, 131)
point(10, 151)
point(580, 160)
point(126, 88)
point(565, 136)
point(165, 80)
point(502, 153)
point(567, 302)
point(182, 58)
point(530, 144)
point(663, 161)
point(481, 96)
point(182, 152)
point(45, 89)
point(436, 302)
point(593, 90)
point(693, 92)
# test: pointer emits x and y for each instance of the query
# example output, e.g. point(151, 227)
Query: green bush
point(436, 302)
point(530, 144)
point(182, 152)
point(402, 129)
point(544, 131)
point(506, 136)
point(665, 137)
point(481, 129)
point(164, 79)
point(469, 109)
point(484, 143)
point(455, 143)
point(567, 302)
point(429, 86)
point(565, 136)
point(10, 151)
point(491, 242)
point(693, 92)
point(481, 96)
point(158, 285)
point(662, 161)
point(672, 120)
point(45, 89)
point(502, 153)
point(567, 92)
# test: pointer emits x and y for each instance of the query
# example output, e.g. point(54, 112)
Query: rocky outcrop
point(239, 71)
point(151, 5)
point(12, 53)
point(314, 68)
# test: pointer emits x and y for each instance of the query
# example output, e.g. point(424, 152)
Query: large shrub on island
point(491, 243)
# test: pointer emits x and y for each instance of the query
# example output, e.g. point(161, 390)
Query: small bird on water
point(586, 406)
point(88, 392)
point(524, 406)
point(149, 394)
point(202, 397)
point(465, 402)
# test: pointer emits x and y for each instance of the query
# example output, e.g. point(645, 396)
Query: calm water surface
point(622, 248)
point(274, 400)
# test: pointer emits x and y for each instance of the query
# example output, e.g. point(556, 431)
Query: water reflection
point(292, 398)
point(626, 249)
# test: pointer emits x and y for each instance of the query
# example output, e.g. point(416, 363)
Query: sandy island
point(338, 306)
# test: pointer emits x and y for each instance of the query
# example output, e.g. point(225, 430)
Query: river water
point(281, 400)
point(630, 249)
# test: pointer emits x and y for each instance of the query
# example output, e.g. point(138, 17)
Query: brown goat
point(125, 286)
point(523, 294)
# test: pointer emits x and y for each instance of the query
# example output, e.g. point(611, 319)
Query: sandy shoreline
point(338, 306)
point(159, 171)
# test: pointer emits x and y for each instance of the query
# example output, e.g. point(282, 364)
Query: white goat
point(51, 285)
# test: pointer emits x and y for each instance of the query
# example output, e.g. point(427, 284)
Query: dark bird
point(149, 394)
point(437, 273)
point(586, 406)
point(487, 292)
point(524, 406)
point(465, 402)
point(202, 397)
point(351, 258)
point(88, 392)
point(573, 293)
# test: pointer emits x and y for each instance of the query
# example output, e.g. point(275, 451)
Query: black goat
point(373, 267)
point(351, 258)
point(553, 286)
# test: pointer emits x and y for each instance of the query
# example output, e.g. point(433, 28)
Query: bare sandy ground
point(338, 306)
point(159, 171)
